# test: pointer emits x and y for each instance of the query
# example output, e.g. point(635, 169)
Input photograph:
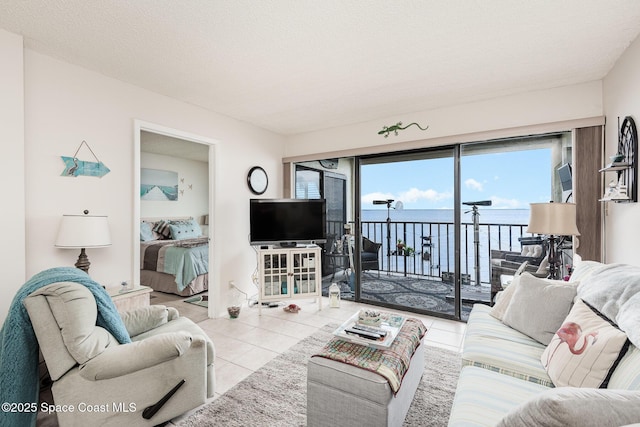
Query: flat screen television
point(287, 222)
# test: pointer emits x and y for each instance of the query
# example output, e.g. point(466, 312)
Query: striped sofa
point(502, 370)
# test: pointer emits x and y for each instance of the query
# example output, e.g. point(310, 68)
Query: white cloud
point(499, 202)
point(368, 199)
point(473, 184)
point(414, 195)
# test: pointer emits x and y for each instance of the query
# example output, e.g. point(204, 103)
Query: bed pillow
point(162, 228)
point(146, 233)
point(559, 407)
point(538, 306)
point(181, 230)
point(585, 350)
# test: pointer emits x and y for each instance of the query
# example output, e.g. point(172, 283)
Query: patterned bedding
point(184, 259)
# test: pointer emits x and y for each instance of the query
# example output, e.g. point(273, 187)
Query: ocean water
point(487, 216)
point(498, 229)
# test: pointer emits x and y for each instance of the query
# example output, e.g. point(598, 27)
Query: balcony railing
point(433, 247)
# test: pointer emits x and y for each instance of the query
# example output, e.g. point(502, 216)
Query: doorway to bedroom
point(174, 181)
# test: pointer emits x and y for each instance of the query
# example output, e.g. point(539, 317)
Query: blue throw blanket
point(19, 381)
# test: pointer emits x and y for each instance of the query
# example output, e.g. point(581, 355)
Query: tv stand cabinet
point(289, 273)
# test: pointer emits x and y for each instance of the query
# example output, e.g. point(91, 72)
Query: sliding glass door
point(407, 224)
point(437, 230)
point(499, 180)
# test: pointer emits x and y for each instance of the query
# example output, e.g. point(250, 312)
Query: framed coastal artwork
point(158, 185)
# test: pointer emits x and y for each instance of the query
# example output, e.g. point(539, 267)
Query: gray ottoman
point(344, 395)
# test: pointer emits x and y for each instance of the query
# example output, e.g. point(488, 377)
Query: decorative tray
point(388, 330)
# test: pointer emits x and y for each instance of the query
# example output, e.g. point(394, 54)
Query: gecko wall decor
point(395, 128)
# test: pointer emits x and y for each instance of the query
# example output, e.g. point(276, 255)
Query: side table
point(130, 299)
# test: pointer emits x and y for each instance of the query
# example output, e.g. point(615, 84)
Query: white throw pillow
point(569, 406)
point(585, 350)
point(503, 299)
point(539, 306)
point(537, 251)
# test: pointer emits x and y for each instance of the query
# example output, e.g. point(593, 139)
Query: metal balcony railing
point(432, 247)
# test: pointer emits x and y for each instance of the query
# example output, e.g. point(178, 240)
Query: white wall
point(192, 201)
point(65, 104)
point(12, 210)
point(622, 98)
point(527, 109)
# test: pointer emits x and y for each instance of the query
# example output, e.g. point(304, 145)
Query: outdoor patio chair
point(369, 258)
point(504, 273)
point(534, 251)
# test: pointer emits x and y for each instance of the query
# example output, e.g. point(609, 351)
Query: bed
point(174, 265)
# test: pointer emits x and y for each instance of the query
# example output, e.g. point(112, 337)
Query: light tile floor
point(243, 345)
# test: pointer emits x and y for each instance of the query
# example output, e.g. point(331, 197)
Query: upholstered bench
point(342, 394)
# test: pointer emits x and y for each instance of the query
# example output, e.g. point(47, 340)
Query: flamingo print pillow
point(585, 350)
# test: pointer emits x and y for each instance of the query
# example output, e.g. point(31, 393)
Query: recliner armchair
point(108, 383)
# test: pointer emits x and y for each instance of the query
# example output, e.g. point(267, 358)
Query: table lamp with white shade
point(81, 232)
point(554, 220)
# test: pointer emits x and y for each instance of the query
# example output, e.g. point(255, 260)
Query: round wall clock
point(257, 180)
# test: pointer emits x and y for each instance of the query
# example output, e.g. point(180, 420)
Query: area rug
point(275, 395)
point(412, 292)
point(201, 300)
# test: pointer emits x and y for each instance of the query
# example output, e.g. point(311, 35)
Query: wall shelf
point(625, 190)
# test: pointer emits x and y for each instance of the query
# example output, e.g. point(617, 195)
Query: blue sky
point(511, 180)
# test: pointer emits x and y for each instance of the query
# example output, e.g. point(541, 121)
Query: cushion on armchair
point(533, 251)
point(127, 358)
point(144, 319)
point(75, 311)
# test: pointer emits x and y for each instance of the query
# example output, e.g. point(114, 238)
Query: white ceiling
point(294, 66)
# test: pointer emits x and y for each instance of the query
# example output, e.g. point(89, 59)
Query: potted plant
point(403, 249)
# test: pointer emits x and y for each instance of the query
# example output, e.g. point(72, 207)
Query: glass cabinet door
point(275, 274)
point(304, 274)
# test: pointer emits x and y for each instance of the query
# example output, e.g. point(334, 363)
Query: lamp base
point(83, 261)
point(554, 268)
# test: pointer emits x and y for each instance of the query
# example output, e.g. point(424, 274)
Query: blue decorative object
point(75, 167)
point(158, 185)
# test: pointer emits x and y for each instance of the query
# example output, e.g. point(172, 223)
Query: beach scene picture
point(158, 185)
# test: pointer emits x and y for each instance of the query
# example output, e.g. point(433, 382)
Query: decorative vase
point(234, 311)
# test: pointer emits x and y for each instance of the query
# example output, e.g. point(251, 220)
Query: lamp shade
point(558, 219)
point(83, 231)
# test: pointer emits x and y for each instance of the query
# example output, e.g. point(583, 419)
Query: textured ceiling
point(293, 66)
